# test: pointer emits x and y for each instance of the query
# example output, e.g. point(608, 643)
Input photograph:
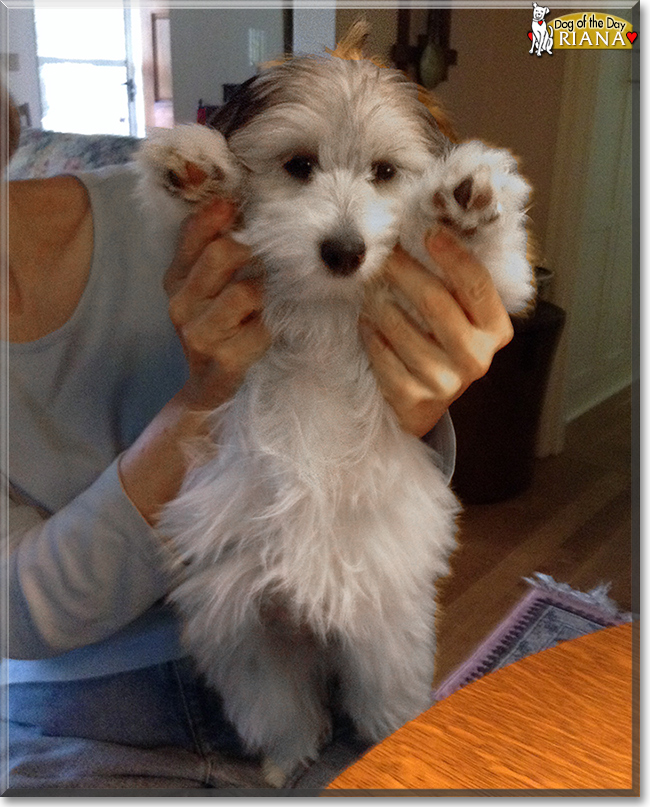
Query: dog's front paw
point(468, 205)
point(477, 186)
point(191, 163)
point(476, 192)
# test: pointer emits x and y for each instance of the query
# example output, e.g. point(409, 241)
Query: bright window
point(86, 72)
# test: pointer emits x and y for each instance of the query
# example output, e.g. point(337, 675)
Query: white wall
point(210, 47)
point(600, 316)
point(21, 40)
point(314, 29)
point(589, 238)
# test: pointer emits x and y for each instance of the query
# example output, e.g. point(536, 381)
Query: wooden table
point(557, 720)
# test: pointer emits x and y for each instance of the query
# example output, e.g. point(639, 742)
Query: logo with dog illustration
point(542, 34)
point(582, 30)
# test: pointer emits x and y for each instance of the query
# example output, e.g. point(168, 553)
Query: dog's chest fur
point(333, 479)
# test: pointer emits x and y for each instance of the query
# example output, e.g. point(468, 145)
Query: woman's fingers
point(428, 351)
point(421, 357)
point(197, 232)
point(471, 285)
point(471, 333)
point(218, 320)
point(212, 272)
point(223, 321)
point(417, 407)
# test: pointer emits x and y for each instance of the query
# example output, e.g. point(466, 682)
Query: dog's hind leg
point(385, 669)
point(272, 680)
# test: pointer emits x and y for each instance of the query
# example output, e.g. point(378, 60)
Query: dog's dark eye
point(383, 171)
point(301, 167)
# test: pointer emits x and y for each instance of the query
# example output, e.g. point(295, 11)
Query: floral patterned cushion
point(45, 154)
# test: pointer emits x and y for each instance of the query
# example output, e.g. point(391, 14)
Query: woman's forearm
point(153, 468)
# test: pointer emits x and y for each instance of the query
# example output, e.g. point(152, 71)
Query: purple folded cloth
point(550, 613)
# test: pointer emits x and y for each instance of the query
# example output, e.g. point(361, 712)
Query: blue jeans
point(158, 727)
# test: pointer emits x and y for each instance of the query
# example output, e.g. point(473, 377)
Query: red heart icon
point(631, 35)
point(530, 35)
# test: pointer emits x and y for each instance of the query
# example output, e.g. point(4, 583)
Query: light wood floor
point(574, 523)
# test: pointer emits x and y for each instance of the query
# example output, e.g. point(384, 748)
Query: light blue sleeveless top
point(77, 398)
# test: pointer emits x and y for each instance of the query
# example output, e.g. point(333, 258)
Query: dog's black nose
point(343, 253)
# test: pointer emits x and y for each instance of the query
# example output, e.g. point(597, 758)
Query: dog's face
point(539, 12)
point(330, 149)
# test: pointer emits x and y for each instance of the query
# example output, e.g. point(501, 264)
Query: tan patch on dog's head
point(353, 48)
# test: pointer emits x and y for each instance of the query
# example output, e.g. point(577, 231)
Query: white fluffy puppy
point(314, 532)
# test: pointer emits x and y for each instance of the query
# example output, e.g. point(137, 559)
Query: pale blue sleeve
point(83, 573)
point(80, 575)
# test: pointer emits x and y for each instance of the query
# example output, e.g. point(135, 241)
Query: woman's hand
point(218, 321)
point(421, 372)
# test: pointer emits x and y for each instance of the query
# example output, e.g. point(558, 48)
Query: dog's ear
point(441, 120)
point(241, 108)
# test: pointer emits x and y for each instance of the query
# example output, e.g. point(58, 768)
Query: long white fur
point(313, 536)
